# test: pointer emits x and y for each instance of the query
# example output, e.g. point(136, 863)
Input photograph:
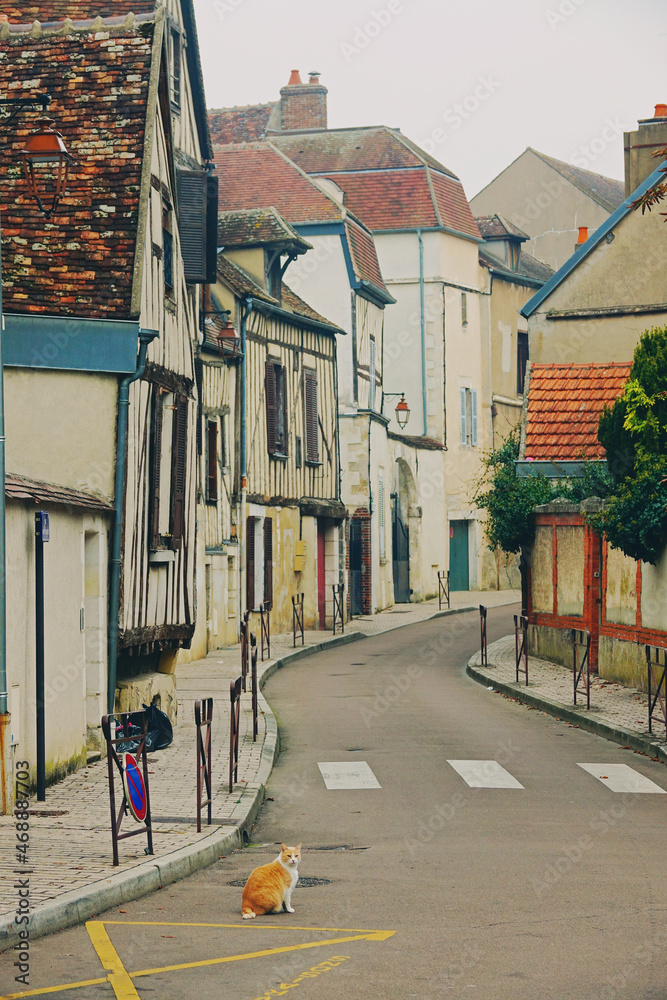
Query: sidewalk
point(617, 713)
point(69, 861)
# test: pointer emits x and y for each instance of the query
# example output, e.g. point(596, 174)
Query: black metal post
point(41, 536)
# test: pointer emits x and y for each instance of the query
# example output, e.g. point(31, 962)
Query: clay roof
point(528, 267)
point(496, 227)
point(240, 281)
point(20, 488)
point(257, 174)
point(258, 226)
point(245, 124)
point(46, 11)
point(606, 191)
point(254, 175)
point(389, 182)
point(564, 407)
point(345, 150)
point(81, 261)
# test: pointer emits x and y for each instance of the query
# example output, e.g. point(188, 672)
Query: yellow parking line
point(121, 980)
point(53, 989)
point(373, 936)
point(117, 975)
point(247, 926)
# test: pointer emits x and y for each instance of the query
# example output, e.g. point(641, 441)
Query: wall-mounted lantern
point(46, 163)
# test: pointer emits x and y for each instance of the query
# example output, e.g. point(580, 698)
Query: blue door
point(459, 578)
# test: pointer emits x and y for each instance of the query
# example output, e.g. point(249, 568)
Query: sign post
point(41, 536)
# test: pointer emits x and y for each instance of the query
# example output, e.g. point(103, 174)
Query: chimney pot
point(660, 111)
point(295, 78)
point(314, 76)
point(583, 235)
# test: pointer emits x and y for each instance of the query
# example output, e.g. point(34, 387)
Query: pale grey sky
point(473, 81)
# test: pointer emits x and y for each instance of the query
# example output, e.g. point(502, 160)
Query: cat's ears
point(283, 848)
point(298, 847)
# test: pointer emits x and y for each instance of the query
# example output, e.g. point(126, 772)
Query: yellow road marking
point(268, 951)
point(246, 926)
point(54, 989)
point(109, 957)
point(117, 975)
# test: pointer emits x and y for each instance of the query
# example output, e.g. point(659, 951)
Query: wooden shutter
point(156, 457)
point(250, 563)
point(179, 454)
point(268, 561)
point(473, 421)
point(199, 382)
point(270, 391)
point(464, 438)
point(211, 229)
point(212, 461)
point(310, 403)
point(371, 376)
point(192, 218)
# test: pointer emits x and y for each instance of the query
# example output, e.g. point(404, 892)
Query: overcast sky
point(473, 81)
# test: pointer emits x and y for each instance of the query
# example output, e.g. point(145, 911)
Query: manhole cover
point(303, 883)
point(48, 812)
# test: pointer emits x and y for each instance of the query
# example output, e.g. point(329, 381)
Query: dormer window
point(273, 275)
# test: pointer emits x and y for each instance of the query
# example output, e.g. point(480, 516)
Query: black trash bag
point(131, 744)
point(159, 733)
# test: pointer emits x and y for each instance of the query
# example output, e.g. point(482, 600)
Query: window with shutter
point(268, 561)
point(175, 67)
point(250, 563)
point(371, 375)
point(473, 417)
point(167, 248)
point(521, 360)
point(179, 468)
point(211, 461)
point(270, 393)
point(464, 437)
point(155, 464)
point(310, 414)
point(199, 382)
point(276, 408)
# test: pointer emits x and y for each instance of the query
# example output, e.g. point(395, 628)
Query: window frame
point(311, 416)
point(275, 382)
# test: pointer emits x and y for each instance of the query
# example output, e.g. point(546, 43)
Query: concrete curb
point(79, 905)
point(580, 717)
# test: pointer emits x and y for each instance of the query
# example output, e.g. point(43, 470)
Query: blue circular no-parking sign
point(135, 790)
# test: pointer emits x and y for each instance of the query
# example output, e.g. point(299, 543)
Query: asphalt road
point(433, 888)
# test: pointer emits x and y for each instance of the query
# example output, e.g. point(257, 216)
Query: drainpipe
point(146, 337)
point(423, 329)
point(245, 312)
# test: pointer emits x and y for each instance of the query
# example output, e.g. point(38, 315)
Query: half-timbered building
point(103, 306)
point(275, 510)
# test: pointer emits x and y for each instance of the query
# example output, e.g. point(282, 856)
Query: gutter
point(290, 317)
point(146, 337)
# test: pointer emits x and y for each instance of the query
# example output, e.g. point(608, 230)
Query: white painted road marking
point(621, 778)
point(484, 774)
point(348, 774)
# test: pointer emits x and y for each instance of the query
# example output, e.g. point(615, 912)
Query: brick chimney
point(639, 147)
point(303, 105)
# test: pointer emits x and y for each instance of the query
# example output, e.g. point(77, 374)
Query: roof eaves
point(624, 209)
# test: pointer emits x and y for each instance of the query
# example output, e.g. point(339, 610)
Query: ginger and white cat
point(269, 887)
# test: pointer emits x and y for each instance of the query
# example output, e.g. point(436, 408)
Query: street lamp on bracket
point(45, 164)
point(402, 411)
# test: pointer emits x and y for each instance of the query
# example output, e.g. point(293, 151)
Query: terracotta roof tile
point(20, 488)
point(81, 261)
point(253, 175)
point(256, 175)
point(564, 407)
point(257, 226)
point(246, 124)
point(47, 11)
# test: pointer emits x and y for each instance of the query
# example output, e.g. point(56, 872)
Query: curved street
point(489, 863)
